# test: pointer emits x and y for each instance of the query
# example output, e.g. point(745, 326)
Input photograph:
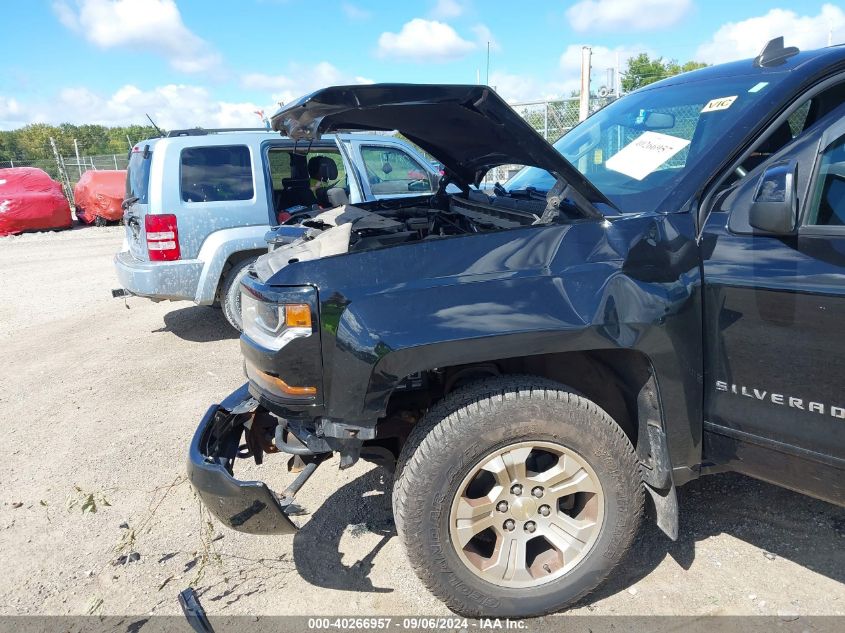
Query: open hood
point(469, 129)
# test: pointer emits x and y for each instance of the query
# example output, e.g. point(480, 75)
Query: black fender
point(632, 283)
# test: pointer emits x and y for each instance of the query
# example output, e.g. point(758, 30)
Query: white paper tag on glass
point(722, 103)
point(645, 154)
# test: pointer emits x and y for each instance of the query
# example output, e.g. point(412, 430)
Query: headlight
point(273, 326)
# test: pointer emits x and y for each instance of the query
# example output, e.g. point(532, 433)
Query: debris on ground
point(125, 559)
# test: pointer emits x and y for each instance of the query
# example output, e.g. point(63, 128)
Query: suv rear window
point(214, 174)
point(138, 176)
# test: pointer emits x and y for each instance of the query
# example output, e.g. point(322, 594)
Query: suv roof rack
point(774, 53)
point(199, 131)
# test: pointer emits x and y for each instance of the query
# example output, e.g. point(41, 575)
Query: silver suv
point(199, 203)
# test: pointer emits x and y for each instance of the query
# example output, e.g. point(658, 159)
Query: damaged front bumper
point(246, 506)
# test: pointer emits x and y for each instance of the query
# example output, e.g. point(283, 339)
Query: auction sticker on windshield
point(645, 154)
point(722, 103)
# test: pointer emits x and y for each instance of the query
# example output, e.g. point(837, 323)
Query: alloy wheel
point(526, 514)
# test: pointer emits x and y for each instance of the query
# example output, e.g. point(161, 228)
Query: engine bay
point(312, 234)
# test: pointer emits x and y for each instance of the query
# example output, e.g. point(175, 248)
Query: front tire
point(230, 299)
point(515, 497)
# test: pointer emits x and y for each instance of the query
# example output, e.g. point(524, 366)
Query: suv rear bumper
point(245, 506)
point(175, 281)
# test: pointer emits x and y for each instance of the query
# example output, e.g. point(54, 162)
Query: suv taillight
point(162, 237)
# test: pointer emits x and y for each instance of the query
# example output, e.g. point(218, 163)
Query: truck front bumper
point(245, 506)
point(174, 281)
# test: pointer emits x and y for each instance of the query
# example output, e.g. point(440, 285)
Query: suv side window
point(392, 171)
point(216, 173)
point(338, 161)
point(827, 206)
point(281, 167)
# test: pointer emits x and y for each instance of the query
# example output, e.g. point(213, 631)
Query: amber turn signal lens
point(298, 315)
point(276, 384)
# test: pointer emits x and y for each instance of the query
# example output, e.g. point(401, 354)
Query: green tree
point(92, 139)
point(9, 149)
point(643, 70)
point(33, 141)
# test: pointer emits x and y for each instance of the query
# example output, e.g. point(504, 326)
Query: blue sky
point(211, 63)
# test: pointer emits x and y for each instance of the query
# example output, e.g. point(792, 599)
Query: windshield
point(638, 148)
point(138, 175)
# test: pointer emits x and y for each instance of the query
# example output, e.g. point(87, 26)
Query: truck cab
point(652, 299)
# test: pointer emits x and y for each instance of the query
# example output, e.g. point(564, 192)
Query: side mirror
point(775, 205)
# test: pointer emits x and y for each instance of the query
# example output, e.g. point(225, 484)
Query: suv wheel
point(515, 497)
point(231, 293)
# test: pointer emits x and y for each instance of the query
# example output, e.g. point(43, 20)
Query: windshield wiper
point(529, 192)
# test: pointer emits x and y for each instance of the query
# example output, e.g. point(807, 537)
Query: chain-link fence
point(73, 167)
point(69, 169)
point(552, 119)
point(47, 164)
point(102, 161)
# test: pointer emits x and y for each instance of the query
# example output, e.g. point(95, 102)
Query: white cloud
point(740, 40)
point(424, 41)
point(354, 12)
point(148, 25)
point(299, 80)
point(171, 106)
point(10, 113)
point(8, 107)
point(483, 35)
point(626, 15)
point(446, 9)
point(520, 87)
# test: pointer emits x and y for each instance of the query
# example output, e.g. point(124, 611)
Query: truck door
point(774, 309)
point(389, 170)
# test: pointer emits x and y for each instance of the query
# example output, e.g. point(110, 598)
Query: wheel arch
point(233, 260)
point(621, 381)
point(217, 252)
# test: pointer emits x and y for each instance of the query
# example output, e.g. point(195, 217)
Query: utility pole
point(78, 163)
point(487, 81)
point(584, 102)
point(617, 76)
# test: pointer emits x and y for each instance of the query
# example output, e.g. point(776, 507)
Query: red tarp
point(99, 194)
point(31, 201)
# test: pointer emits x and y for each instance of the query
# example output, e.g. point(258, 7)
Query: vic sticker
point(722, 103)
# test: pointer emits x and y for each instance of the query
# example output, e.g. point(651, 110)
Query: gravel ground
point(99, 404)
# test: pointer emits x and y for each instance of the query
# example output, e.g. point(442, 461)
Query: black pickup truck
point(654, 298)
